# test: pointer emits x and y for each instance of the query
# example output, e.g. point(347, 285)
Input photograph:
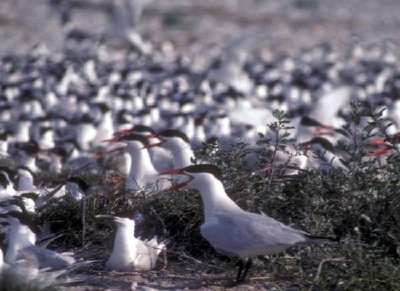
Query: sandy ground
point(184, 273)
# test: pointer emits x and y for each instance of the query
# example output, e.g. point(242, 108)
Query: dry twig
point(319, 271)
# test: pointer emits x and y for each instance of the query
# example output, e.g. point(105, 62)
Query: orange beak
point(324, 129)
point(378, 152)
point(114, 139)
point(157, 144)
point(387, 147)
point(380, 142)
point(173, 172)
point(151, 135)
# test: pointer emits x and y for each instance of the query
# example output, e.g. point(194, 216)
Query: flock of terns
point(64, 114)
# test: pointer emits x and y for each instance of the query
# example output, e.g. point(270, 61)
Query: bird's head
point(120, 221)
point(195, 175)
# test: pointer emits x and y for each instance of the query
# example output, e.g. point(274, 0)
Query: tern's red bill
point(114, 139)
point(378, 152)
point(177, 172)
point(378, 142)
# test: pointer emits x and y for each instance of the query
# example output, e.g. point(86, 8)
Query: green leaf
point(370, 127)
point(342, 132)
point(278, 114)
point(380, 112)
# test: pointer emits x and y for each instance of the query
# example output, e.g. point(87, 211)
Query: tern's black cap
point(205, 168)
point(174, 133)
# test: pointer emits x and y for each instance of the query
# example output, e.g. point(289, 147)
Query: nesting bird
point(130, 253)
point(21, 240)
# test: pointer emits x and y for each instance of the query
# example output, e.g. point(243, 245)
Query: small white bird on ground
point(6, 184)
point(25, 179)
point(27, 261)
point(21, 245)
point(130, 253)
point(233, 231)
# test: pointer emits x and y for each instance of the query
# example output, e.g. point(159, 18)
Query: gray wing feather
point(235, 233)
point(147, 256)
point(48, 258)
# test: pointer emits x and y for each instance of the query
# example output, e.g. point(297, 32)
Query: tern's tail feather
point(159, 246)
point(320, 240)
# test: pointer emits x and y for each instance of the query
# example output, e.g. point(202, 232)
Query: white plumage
point(131, 253)
point(233, 231)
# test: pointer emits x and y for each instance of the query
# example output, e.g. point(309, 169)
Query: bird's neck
point(3, 147)
point(199, 133)
point(47, 140)
point(10, 189)
point(19, 237)
point(85, 133)
point(215, 199)
point(141, 165)
point(29, 161)
point(182, 156)
point(125, 242)
point(107, 122)
point(25, 183)
point(22, 132)
point(55, 165)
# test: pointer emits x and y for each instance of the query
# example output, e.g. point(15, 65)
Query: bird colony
point(142, 118)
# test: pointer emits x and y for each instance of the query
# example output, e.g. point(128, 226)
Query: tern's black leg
point(240, 269)
point(243, 270)
point(246, 268)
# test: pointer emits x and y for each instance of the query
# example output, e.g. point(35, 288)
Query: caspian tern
point(179, 145)
point(142, 172)
point(233, 231)
point(160, 157)
point(21, 244)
